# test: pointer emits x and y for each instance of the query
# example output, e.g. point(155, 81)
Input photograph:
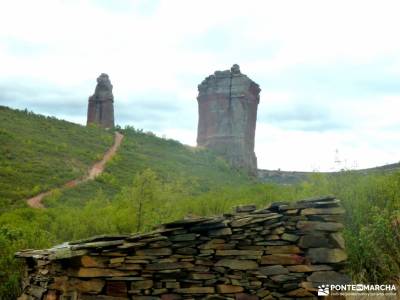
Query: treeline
point(372, 220)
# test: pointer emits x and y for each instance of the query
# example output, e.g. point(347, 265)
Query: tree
point(144, 193)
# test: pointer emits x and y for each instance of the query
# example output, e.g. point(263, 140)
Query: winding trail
point(94, 171)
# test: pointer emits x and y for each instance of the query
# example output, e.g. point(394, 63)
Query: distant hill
point(38, 153)
point(386, 169)
point(291, 177)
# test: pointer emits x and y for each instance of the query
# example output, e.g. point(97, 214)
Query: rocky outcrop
point(228, 103)
point(284, 251)
point(101, 104)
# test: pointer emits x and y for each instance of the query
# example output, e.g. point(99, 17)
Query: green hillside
point(153, 180)
point(198, 170)
point(38, 153)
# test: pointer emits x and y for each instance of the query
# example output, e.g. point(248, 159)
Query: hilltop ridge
point(32, 146)
point(290, 177)
point(41, 153)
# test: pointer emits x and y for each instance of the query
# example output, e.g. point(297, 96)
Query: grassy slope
point(38, 153)
point(193, 182)
point(198, 169)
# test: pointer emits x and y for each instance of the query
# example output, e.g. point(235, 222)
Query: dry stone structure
point(228, 102)
point(101, 104)
point(283, 251)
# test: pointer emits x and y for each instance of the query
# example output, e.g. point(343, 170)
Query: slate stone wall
point(284, 251)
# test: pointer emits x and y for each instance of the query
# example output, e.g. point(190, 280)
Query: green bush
point(371, 232)
point(168, 181)
point(38, 153)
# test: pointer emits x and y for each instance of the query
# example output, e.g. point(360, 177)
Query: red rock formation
point(228, 103)
point(101, 104)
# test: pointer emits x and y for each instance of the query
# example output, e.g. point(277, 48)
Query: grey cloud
point(303, 117)
point(339, 81)
point(321, 94)
point(227, 47)
point(393, 127)
point(215, 39)
point(143, 7)
point(154, 103)
point(24, 48)
point(315, 125)
point(42, 98)
point(301, 113)
point(154, 111)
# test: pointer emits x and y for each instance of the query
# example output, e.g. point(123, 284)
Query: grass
point(172, 161)
point(38, 153)
point(180, 181)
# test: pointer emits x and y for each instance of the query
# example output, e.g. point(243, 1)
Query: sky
point(329, 70)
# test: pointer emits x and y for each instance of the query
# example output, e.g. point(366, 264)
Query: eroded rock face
point(101, 104)
point(228, 103)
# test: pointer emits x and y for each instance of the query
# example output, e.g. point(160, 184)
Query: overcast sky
point(329, 70)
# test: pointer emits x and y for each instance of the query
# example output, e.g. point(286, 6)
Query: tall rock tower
point(101, 104)
point(228, 102)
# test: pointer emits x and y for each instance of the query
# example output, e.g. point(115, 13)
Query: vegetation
point(38, 153)
point(173, 162)
point(152, 181)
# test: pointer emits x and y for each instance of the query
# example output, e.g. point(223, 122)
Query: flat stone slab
point(274, 270)
point(289, 249)
point(185, 222)
point(154, 251)
point(282, 259)
point(323, 211)
point(325, 255)
point(330, 277)
point(99, 272)
point(169, 266)
point(238, 252)
point(315, 240)
point(183, 237)
point(195, 290)
point(103, 237)
point(308, 268)
point(99, 244)
point(237, 264)
point(319, 226)
point(66, 253)
point(220, 232)
point(289, 237)
point(229, 289)
point(144, 284)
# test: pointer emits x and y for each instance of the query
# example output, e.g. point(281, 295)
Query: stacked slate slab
point(284, 251)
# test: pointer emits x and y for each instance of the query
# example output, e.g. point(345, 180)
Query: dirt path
point(94, 171)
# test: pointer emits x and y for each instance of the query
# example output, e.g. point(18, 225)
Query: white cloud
point(156, 48)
